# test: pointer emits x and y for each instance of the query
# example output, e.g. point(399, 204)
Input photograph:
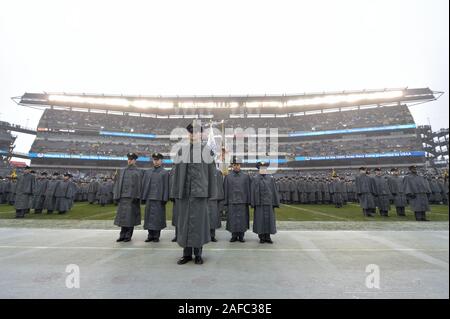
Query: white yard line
point(414, 253)
point(78, 205)
point(410, 211)
point(99, 214)
point(432, 213)
point(315, 253)
point(316, 212)
point(224, 249)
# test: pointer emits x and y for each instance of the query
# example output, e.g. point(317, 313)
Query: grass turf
point(350, 212)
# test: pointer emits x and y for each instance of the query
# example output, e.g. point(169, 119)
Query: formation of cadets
point(38, 192)
point(55, 193)
point(200, 193)
point(373, 192)
point(316, 190)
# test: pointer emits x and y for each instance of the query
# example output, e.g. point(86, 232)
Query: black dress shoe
point(213, 239)
point(232, 240)
point(148, 240)
point(184, 260)
point(127, 239)
point(262, 241)
point(120, 239)
point(198, 260)
point(174, 239)
point(269, 241)
point(242, 240)
point(155, 240)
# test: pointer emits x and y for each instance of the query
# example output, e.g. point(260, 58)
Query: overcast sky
point(221, 47)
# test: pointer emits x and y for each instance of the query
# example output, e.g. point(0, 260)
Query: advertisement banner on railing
point(124, 134)
point(353, 130)
point(281, 161)
point(90, 157)
point(361, 156)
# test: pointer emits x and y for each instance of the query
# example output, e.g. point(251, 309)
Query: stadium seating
point(63, 134)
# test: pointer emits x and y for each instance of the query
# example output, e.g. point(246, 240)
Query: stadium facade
point(315, 131)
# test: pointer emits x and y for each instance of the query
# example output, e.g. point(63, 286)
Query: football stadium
point(233, 156)
point(314, 130)
point(320, 142)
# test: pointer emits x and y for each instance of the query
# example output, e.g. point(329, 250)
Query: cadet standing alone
point(264, 198)
point(194, 182)
point(237, 200)
point(155, 194)
point(127, 192)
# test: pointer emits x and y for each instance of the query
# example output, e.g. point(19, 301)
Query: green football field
point(350, 212)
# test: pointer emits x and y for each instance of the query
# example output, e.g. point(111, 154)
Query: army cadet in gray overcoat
point(155, 194)
point(395, 182)
point(39, 193)
point(194, 182)
point(417, 190)
point(237, 201)
point(127, 192)
point(264, 198)
point(382, 193)
point(365, 189)
point(24, 192)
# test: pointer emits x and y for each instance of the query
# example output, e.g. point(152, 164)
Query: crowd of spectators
point(347, 147)
point(104, 146)
point(61, 119)
point(77, 143)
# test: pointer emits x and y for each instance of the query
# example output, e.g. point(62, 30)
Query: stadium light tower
point(301, 102)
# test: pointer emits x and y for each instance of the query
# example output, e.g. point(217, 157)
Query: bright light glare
point(142, 103)
point(264, 104)
point(151, 104)
point(89, 100)
point(348, 98)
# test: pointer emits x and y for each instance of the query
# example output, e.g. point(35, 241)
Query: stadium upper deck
point(323, 130)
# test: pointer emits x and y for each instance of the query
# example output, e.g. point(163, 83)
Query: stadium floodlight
point(193, 105)
point(109, 101)
point(186, 105)
point(151, 104)
point(306, 101)
point(346, 98)
point(264, 104)
point(89, 100)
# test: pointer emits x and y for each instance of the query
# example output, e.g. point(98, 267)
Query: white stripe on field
point(96, 215)
point(316, 212)
point(227, 249)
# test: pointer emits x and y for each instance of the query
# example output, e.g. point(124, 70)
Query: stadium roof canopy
point(291, 102)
